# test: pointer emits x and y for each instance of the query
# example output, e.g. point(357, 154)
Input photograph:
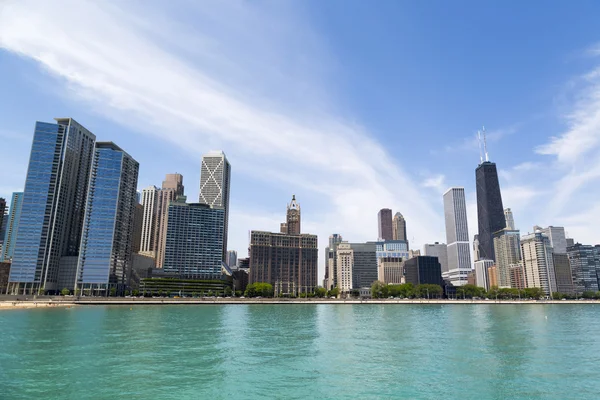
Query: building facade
point(517, 276)
point(490, 212)
point(507, 248)
point(399, 227)
point(364, 270)
point(562, 271)
point(150, 204)
point(423, 270)
point(106, 242)
point(330, 280)
point(482, 273)
point(138, 219)
point(585, 267)
point(172, 187)
point(53, 204)
point(194, 244)
point(510, 220)
point(538, 263)
point(292, 220)
point(557, 236)
point(12, 226)
point(215, 181)
point(231, 260)
point(345, 262)
point(492, 276)
point(384, 224)
point(390, 270)
point(457, 236)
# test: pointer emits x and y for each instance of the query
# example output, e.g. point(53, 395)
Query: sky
point(352, 106)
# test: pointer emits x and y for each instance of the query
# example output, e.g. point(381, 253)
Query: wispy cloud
point(437, 182)
point(253, 91)
point(471, 143)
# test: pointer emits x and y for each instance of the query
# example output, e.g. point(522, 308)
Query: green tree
point(557, 296)
point(379, 290)
point(239, 293)
point(335, 292)
point(113, 292)
point(428, 290)
point(320, 292)
point(135, 292)
point(533, 293)
point(228, 292)
point(469, 291)
point(257, 289)
point(65, 292)
point(355, 293)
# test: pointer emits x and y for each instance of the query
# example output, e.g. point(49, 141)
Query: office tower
point(53, 204)
point(439, 250)
point(562, 271)
point(481, 273)
point(384, 223)
point(570, 242)
point(492, 276)
point(244, 263)
point(345, 261)
point(330, 280)
point(138, 220)
point(517, 276)
point(490, 213)
point(289, 262)
point(106, 241)
point(399, 227)
point(172, 187)
point(364, 270)
point(510, 220)
point(194, 244)
point(457, 236)
point(557, 236)
point(507, 248)
point(292, 220)
point(538, 265)
point(585, 267)
point(215, 180)
point(150, 203)
point(423, 270)
point(231, 259)
point(390, 270)
point(12, 226)
point(3, 220)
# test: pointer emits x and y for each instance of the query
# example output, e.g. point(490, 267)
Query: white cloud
point(236, 78)
point(437, 182)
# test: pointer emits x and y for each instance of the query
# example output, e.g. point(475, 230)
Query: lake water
point(301, 352)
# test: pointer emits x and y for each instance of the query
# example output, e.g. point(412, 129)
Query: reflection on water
point(301, 351)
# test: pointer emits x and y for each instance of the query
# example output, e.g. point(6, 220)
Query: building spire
point(485, 145)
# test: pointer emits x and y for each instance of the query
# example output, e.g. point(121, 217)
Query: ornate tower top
point(293, 217)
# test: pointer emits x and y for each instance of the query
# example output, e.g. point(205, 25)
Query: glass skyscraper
point(12, 226)
point(53, 204)
point(490, 212)
point(194, 244)
point(107, 238)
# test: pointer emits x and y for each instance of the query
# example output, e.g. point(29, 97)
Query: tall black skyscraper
point(490, 212)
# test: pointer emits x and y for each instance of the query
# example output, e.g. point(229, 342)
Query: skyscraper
point(557, 236)
point(457, 236)
point(330, 280)
point(564, 275)
point(439, 250)
point(138, 219)
point(150, 203)
point(106, 241)
point(399, 227)
point(195, 234)
point(231, 258)
point(215, 179)
point(53, 204)
point(585, 267)
point(345, 261)
point(538, 264)
point(490, 212)
point(507, 248)
point(12, 226)
point(172, 187)
point(384, 223)
point(3, 220)
point(482, 278)
point(293, 217)
point(289, 262)
point(510, 221)
point(423, 270)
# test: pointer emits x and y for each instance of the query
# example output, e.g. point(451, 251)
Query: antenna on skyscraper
point(480, 153)
point(485, 145)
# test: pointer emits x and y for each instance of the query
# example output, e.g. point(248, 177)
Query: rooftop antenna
point(480, 153)
point(485, 145)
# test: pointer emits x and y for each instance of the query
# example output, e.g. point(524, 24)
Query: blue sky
point(351, 105)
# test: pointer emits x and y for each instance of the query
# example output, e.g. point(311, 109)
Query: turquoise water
point(301, 352)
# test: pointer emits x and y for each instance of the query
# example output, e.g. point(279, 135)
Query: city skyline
point(331, 131)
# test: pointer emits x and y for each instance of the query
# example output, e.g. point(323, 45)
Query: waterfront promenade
point(20, 302)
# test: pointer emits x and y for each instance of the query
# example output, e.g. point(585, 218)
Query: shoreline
point(67, 303)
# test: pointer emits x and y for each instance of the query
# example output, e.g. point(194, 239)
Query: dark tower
point(384, 223)
point(490, 212)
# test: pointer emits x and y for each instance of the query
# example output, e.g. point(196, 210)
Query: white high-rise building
point(149, 234)
point(345, 262)
point(510, 220)
point(457, 236)
point(481, 273)
point(507, 249)
point(439, 250)
point(215, 179)
point(558, 239)
point(538, 264)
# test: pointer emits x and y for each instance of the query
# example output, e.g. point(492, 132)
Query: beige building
point(172, 187)
point(390, 270)
point(538, 264)
point(149, 202)
point(507, 251)
point(517, 280)
point(345, 262)
point(492, 276)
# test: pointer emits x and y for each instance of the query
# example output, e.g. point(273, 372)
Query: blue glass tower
point(106, 240)
point(53, 204)
point(194, 245)
point(12, 226)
